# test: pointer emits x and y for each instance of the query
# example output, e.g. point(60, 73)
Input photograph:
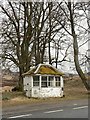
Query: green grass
point(11, 95)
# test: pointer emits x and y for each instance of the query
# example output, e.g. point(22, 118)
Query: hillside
point(73, 89)
point(10, 79)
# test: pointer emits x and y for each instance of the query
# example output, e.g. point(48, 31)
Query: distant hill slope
point(9, 78)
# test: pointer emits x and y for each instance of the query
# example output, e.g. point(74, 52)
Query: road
point(62, 109)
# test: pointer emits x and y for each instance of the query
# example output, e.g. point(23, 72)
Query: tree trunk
point(20, 83)
point(75, 47)
point(49, 52)
point(78, 68)
point(49, 46)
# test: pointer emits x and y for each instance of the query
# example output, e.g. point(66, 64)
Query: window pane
point(50, 80)
point(44, 81)
point(57, 81)
point(35, 80)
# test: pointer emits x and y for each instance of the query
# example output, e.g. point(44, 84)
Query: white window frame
point(57, 81)
point(37, 81)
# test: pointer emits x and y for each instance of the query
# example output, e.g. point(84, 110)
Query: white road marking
point(53, 111)
point(80, 107)
point(21, 116)
point(75, 104)
point(20, 111)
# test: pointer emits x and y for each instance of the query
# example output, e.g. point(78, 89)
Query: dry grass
point(73, 89)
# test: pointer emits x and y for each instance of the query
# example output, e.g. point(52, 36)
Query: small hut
point(43, 80)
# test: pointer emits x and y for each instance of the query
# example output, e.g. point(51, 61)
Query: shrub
point(5, 98)
point(16, 88)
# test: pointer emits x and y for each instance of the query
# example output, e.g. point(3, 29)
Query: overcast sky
point(66, 65)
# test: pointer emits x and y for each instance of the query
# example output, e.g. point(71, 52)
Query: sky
point(67, 67)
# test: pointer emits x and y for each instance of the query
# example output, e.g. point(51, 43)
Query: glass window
point(50, 81)
point(35, 80)
point(57, 81)
point(44, 81)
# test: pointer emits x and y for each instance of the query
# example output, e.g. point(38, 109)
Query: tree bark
point(49, 41)
point(20, 83)
point(75, 47)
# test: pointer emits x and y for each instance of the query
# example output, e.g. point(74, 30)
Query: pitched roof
point(43, 69)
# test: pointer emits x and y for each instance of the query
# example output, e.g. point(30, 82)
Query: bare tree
point(27, 29)
point(69, 21)
point(75, 47)
point(85, 7)
point(22, 34)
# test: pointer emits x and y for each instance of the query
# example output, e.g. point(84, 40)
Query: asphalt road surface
point(62, 109)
